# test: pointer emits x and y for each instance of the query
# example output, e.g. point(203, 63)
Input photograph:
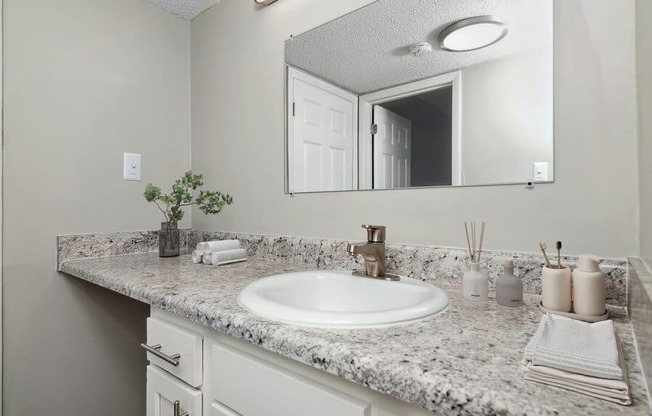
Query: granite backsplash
point(435, 264)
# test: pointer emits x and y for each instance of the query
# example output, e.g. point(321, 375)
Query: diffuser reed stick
point(468, 240)
point(475, 249)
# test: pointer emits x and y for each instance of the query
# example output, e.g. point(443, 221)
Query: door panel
point(322, 137)
point(392, 146)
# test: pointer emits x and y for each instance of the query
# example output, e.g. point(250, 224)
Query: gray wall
point(237, 125)
point(85, 80)
point(507, 120)
point(644, 72)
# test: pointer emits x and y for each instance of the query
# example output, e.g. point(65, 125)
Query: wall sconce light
point(264, 2)
point(472, 33)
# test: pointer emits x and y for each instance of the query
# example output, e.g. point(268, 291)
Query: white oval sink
point(337, 299)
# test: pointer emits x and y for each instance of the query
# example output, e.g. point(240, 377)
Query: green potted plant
point(171, 205)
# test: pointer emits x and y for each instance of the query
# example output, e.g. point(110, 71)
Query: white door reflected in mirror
point(322, 135)
point(392, 146)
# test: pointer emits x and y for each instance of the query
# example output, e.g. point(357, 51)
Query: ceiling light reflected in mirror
point(473, 33)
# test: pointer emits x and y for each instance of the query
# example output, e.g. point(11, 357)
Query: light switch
point(540, 171)
point(131, 167)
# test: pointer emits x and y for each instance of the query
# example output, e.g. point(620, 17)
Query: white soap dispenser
point(509, 288)
point(589, 295)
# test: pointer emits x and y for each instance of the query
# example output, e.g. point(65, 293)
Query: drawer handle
point(156, 350)
point(177, 409)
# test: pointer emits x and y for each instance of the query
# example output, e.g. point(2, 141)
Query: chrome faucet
point(373, 252)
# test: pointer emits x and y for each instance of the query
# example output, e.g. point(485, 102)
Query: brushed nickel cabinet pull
point(156, 350)
point(177, 409)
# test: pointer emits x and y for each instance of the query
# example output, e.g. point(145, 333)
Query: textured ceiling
point(188, 9)
point(369, 49)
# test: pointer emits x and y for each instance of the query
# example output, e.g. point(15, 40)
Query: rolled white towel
point(209, 247)
point(197, 257)
point(206, 259)
point(220, 258)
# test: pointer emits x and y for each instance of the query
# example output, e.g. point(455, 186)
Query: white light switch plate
point(131, 167)
point(540, 171)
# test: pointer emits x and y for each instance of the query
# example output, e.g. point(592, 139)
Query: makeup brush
point(545, 256)
point(559, 254)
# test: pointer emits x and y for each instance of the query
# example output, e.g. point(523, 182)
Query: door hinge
point(374, 129)
point(294, 109)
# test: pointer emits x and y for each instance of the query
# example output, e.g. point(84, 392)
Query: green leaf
point(152, 193)
point(208, 202)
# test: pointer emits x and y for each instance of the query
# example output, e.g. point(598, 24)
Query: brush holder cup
point(556, 288)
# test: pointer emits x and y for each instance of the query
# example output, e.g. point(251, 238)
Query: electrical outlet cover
point(132, 167)
point(540, 171)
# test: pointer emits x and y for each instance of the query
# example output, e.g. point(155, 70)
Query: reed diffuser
point(475, 282)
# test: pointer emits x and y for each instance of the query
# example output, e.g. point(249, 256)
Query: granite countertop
point(464, 361)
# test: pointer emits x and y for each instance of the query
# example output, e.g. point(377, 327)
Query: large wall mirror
point(414, 93)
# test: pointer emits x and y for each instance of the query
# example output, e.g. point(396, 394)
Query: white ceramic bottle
point(589, 296)
point(509, 288)
point(556, 289)
point(476, 284)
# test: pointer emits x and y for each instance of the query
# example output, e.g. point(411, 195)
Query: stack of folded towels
point(219, 252)
point(578, 356)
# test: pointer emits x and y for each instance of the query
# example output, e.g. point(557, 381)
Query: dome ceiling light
point(472, 33)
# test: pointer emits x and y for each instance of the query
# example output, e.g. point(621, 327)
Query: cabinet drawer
point(253, 387)
point(174, 339)
point(163, 390)
point(218, 409)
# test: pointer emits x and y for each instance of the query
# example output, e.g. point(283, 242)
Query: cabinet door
point(163, 390)
point(254, 387)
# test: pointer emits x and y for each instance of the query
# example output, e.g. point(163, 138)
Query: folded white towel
point(220, 258)
point(616, 391)
point(209, 247)
point(197, 257)
point(577, 347)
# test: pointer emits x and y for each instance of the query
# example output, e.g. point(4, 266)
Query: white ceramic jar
point(556, 289)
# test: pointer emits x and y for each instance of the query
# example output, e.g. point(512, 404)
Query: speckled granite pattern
point(436, 264)
point(110, 244)
point(640, 312)
point(465, 361)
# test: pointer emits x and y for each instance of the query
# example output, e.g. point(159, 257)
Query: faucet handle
point(375, 233)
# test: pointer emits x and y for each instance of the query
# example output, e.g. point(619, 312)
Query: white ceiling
point(188, 9)
point(369, 49)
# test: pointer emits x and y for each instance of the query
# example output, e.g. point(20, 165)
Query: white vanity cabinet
point(236, 378)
